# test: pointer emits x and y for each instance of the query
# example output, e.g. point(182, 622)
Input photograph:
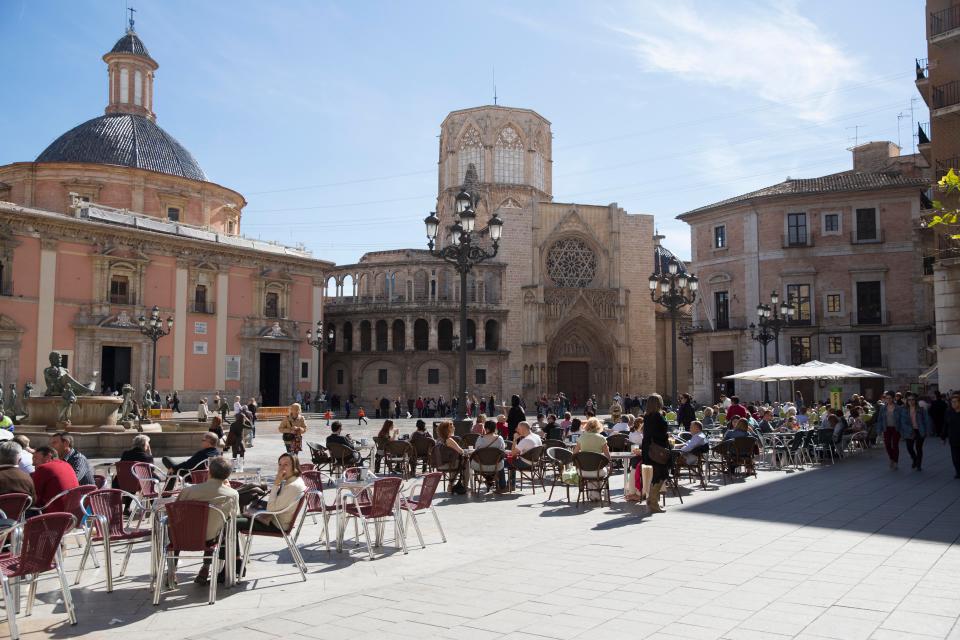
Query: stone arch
point(398, 335)
point(491, 335)
point(381, 333)
point(420, 284)
point(445, 334)
point(471, 335)
point(332, 288)
point(349, 286)
point(470, 150)
point(581, 354)
point(365, 335)
point(421, 335)
point(346, 343)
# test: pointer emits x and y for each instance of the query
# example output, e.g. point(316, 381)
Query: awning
point(931, 375)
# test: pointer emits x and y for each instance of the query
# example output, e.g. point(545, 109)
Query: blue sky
point(325, 115)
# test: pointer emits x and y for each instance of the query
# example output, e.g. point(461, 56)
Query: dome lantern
point(130, 69)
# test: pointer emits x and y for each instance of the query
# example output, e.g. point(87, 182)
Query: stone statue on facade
point(66, 408)
point(147, 398)
point(27, 392)
point(10, 401)
point(58, 379)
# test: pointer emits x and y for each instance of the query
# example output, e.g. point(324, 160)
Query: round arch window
point(571, 263)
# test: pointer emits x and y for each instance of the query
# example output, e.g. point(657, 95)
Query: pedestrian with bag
point(655, 449)
point(293, 426)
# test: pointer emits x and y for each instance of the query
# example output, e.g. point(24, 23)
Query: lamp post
point(319, 343)
point(153, 328)
point(771, 319)
point(463, 253)
point(673, 291)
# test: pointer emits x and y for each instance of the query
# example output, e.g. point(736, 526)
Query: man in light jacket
point(218, 492)
point(891, 422)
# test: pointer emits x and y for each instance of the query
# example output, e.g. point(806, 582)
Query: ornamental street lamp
point(153, 328)
point(771, 319)
point(463, 253)
point(673, 291)
point(319, 343)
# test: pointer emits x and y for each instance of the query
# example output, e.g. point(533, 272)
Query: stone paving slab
point(844, 551)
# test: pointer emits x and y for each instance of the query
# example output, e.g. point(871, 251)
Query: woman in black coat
point(515, 416)
point(686, 413)
point(655, 431)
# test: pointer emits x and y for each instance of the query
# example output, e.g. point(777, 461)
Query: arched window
point(271, 305)
point(331, 330)
point(471, 335)
point(331, 288)
point(137, 88)
point(124, 85)
point(365, 335)
point(420, 285)
point(470, 152)
point(539, 172)
point(491, 335)
point(381, 330)
point(399, 337)
point(347, 336)
point(508, 157)
point(445, 335)
point(421, 335)
point(491, 283)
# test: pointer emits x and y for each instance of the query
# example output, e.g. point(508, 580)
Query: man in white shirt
point(697, 440)
point(623, 426)
point(237, 406)
point(525, 441)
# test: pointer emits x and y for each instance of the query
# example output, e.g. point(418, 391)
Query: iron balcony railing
point(945, 164)
point(946, 95)
point(923, 133)
point(197, 306)
point(923, 71)
point(944, 20)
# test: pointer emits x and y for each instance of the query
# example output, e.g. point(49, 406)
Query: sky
point(326, 115)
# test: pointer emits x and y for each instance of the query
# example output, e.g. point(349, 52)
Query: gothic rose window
point(571, 263)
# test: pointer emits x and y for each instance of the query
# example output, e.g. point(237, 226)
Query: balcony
point(199, 306)
point(945, 24)
point(797, 241)
point(923, 133)
point(945, 164)
point(945, 99)
point(923, 70)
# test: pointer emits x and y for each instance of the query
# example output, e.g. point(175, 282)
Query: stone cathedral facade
point(565, 306)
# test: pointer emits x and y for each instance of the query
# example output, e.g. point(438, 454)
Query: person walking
point(202, 410)
point(293, 426)
point(951, 431)
point(176, 402)
point(919, 426)
point(361, 416)
point(515, 416)
point(655, 442)
point(685, 413)
point(891, 422)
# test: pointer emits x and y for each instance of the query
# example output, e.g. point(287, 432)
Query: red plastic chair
point(428, 485)
point(288, 534)
point(71, 501)
point(199, 476)
point(307, 466)
point(151, 481)
point(186, 527)
point(316, 504)
point(384, 503)
point(39, 553)
point(125, 480)
point(14, 505)
point(105, 524)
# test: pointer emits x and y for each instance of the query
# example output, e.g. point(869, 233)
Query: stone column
point(180, 326)
point(433, 334)
point(223, 300)
point(45, 308)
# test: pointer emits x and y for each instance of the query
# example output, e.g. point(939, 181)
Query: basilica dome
point(661, 260)
point(127, 140)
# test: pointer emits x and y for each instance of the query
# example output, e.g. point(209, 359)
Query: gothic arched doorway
point(581, 361)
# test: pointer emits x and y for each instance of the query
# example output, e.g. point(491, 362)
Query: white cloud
point(770, 51)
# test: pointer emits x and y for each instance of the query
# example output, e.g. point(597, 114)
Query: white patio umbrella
point(771, 373)
point(835, 370)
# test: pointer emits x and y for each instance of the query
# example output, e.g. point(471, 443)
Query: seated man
point(525, 440)
point(210, 449)
point(766, 422)
point(62, 443)
point(623, 426)
point(51, 476)
point(336, 437)
point(26, 453)
point(12, 479)
point(490, 439)
point(696, 443)
point(218, 492)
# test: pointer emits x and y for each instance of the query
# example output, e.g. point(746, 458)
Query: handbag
point(660, 455)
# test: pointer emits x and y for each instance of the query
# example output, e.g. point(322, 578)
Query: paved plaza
point(847, 551)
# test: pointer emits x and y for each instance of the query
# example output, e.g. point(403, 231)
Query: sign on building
point(233, 367)
point(200, 328)
point(200, 348)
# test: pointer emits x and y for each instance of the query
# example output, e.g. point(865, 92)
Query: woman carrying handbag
point(293, 426)
point(655, 450)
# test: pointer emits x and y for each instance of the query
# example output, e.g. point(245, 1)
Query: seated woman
point(502, 427)
point(385, 435)
point(477, 427)
point(593, 441)
point(709, 420)
point(287, 488)
point(445, 437)
point(490, 439)
point(216, 426)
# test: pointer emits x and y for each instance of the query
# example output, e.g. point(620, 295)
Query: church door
point(573, 379)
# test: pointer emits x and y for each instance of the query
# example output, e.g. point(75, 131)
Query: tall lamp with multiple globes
point(771, 319)
point(153, 328)
point(319, 343)
point(463, 252)
point(673, 291)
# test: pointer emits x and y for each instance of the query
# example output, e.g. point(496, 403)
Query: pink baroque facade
point(843, 250)
point(114, 217)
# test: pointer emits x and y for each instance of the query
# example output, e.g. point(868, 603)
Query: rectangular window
point(720, 237)
point(304, 370)
point(831, 223)
point(870, 351)
point(833, 303)
point(433, 376)
point(271, 305)
point(65, 360)
point(339, 376)
point(480, 376)
point(119, 290)
point(200, 348)
point(799, 349)
point(381, 376)
point(796, 229)
point(869, 303)
point(867, 225)
point(834, 345)
point(721, 304)
point(798, 297)
point(173, 214)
